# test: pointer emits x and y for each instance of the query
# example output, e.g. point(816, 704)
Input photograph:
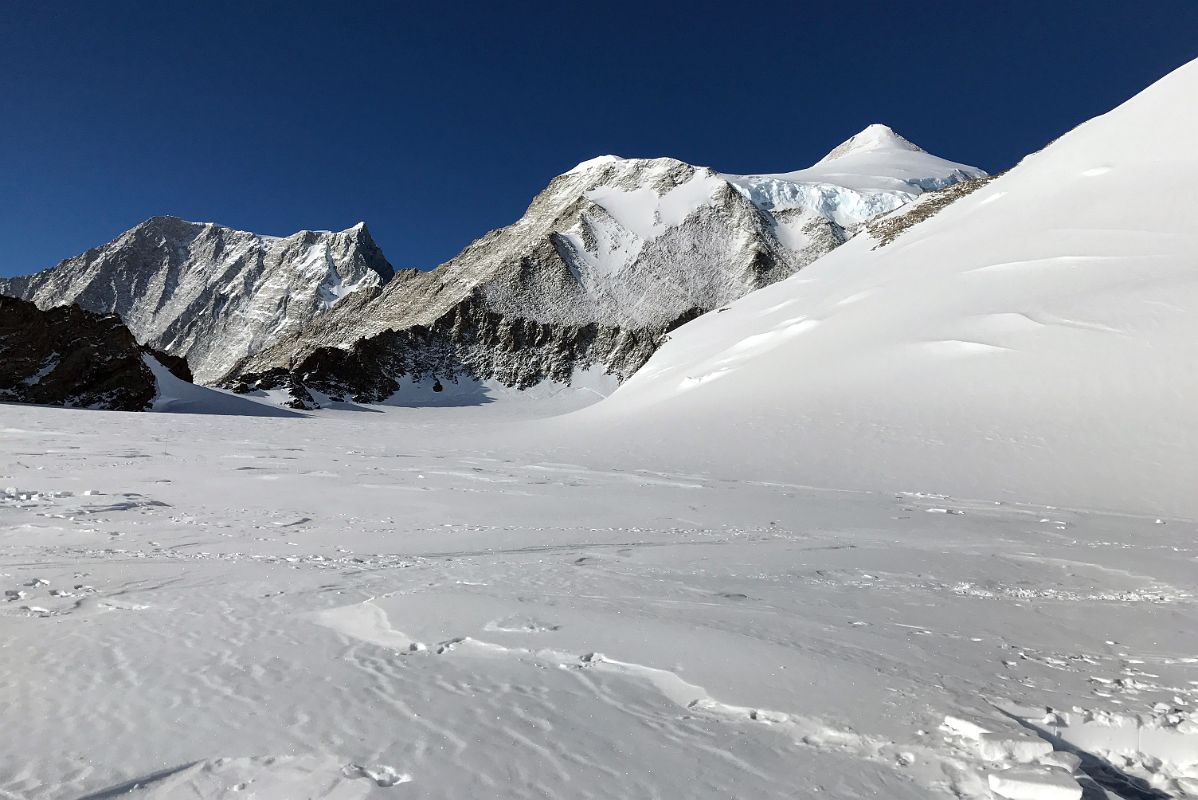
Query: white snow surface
point(1032, 341)
point(647, 213)
point(176, 396)
point(457, 603)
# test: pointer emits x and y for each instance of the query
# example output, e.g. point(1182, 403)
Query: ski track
point(394, 612)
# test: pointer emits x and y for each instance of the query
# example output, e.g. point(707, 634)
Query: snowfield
point(456, 603)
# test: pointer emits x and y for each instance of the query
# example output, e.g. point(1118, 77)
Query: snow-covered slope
point(1034, 340)
point(213, 295)
point(607, 257)
point(175, 396)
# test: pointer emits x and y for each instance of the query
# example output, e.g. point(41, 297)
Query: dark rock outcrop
point(70, 357)
point(889, 227)
point(470, 343)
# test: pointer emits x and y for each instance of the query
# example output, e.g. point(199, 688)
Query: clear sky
point(435, 122)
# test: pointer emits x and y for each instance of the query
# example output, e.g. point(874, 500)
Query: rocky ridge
point(210, 294)
point(70, 357)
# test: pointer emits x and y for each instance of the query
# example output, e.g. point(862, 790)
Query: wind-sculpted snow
point(210, 294)
point(452, 603)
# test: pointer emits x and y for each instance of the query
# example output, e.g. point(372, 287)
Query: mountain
point(609, 257)
point(1014, 342)
point(70, 357)
point(210, 294)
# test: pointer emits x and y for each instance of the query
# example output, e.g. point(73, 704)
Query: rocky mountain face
point(70, 357)
point(468, 342)
point(605, 262)
point(607, 259)
point(210, 294)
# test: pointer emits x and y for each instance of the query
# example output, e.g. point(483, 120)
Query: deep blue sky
point(435, 122)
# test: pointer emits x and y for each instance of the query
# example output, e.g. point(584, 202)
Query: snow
point(1015, 346)
point(878, 159)
point(322, 270)
point(341, 603)
point(585, 387)
point(335, 288)
point(176, 396)
point(615, 246)
point(871, 173)
point(844, 206)
point(590, 163)
point(1161, 735)
point(874, 172)
point(873, 138)
point(1022, 783)
point(647, 213)
point(469, 398)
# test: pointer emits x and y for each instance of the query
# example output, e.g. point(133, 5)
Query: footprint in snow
point(381, 774)
point(449, 645)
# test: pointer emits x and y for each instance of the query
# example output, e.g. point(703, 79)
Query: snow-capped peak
point(874, 137)
point(869, 174)
point(582, 166)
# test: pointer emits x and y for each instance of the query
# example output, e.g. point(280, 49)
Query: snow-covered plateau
point(917, 522)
